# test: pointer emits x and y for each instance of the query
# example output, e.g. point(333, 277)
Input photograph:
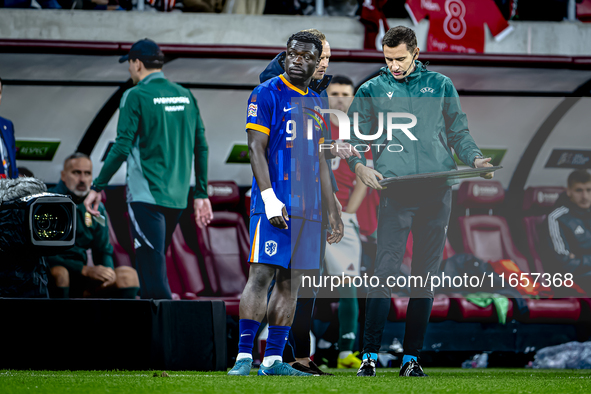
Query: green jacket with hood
point(441, 123)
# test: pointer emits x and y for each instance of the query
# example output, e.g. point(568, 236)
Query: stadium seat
point(224, 244)
point(531, 223)
point(439, 312)
point(185, 266)
point(563, 310)
point(486, 236)
point(463, 310)
point(540, 199)
point(223, 195)
point(537, 203)
point(566, 310)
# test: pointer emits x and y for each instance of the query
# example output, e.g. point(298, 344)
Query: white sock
point(240, 356)
point(270, 360)
point(345, 353)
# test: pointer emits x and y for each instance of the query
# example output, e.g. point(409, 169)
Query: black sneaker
point(367, 368)
point(312, 369)
point(317, 371)
point(412, 368)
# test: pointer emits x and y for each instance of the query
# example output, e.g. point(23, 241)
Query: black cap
point(145, 50)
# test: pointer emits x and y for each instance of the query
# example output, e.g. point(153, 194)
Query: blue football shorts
point(297, 247)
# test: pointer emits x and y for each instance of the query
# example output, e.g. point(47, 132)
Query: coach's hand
point(338, 230)
point(480, 163)
point(203, 212)
point(100, 273)
point(344, 150)
point(368, 176)
point(92, 201)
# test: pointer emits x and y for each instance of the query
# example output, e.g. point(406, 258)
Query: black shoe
point(313, 369)
point(367, 368)
point(412, 368)
point(317, 371)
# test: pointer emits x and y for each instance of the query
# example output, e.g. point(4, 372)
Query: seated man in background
point(70, 272)
point(568, 231)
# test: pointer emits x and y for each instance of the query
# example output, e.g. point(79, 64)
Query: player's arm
point(357, 196)
point(201, 203)
point(257, 148)
point(127, 127)
point(333, 213)
point(559, 235)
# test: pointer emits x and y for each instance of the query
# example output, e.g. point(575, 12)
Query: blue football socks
point(248, 331)
point(406, 359)
point(276, 340)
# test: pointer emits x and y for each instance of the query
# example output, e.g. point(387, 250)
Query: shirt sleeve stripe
point(258, 127)
point(555, 236)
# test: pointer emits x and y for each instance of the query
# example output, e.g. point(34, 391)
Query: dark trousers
point(298, 342)
point(425, 210)
point(152, 227)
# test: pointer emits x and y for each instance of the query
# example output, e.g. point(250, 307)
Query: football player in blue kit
point(291, 178)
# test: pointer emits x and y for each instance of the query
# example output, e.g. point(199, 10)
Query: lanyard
point(3, 156)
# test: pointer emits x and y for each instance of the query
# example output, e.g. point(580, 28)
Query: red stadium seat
point(541, 198)
point(486, 236)
point(224, 244)
point(531, 223)
point(440, 310)
point(464, 310)
point(223, 195)
point(186, 266)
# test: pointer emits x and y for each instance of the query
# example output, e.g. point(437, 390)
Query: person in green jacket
point(71, 274)
point(406, 89)
point(159, 132)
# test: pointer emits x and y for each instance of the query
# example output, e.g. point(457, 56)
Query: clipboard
point(444, 175)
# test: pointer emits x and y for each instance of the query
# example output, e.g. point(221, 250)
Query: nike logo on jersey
point(243, 335)
point(288, 109)
point(579, 231)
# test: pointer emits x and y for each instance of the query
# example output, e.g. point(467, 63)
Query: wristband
point(273, 206)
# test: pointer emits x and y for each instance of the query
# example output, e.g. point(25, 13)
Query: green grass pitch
point(441, 380)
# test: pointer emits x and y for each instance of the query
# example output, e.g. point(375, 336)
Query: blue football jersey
point(292, 120)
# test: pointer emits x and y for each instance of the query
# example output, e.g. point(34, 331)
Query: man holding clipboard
point(406, 89)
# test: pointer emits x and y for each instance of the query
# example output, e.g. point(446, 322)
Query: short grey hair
point(11, 189)
point(76, 155)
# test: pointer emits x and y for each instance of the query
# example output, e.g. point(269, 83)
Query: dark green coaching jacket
point(158, 133)
point(441, 123)
point(94, 237)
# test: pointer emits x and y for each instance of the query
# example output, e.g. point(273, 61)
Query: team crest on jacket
point(427, 90)
point(271, 248)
